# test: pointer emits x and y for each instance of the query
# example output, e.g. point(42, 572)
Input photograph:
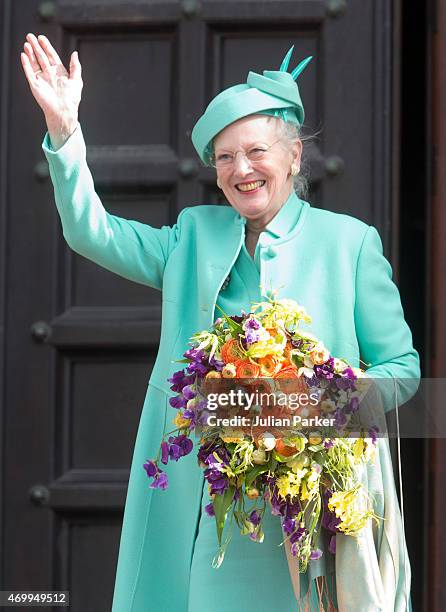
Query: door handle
point(39, 494)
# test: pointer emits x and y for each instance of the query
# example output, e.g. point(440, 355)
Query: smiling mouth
point(250, 186)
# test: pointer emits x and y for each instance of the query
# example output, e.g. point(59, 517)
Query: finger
point(40, 54)
point(32, 58)
point(28, 69)
point(50, 51)
point(75, 66)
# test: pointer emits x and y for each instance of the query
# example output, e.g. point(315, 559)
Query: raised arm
point(385, 340)
point(131, 249)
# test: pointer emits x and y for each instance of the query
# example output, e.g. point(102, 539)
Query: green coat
point(332, 264)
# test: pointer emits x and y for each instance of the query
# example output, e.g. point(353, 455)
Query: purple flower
point(254, 517)
point(164, 452)
point(251, 327)
point(151, 468)
point(209, 509)
point(190, 414)
point(326, 370)
point(348, 373)
point(256, 535)
point(218, 482)
point(179, 446)
point(216, 364)
point(340, 419)
point(238, 319)
point(316, 554)
point(352, 406)
point(178, 401)
point(278, 506)
point(194, 354)
point(343, 383)
point(372, 432)
point(328, 443)
point(198, 363)
point(197, 367)
point(189, 392)
point(160, 480)
point(297, 535)
point(205, 453)
point(179, 380)
point(289, 525)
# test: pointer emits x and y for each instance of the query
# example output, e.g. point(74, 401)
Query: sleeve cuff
point(48, 147)
point(69, 153)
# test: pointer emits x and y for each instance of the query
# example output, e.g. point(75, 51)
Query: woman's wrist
point(60, 129)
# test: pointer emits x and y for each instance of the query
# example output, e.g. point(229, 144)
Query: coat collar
point(222, 253)
point(285, 220)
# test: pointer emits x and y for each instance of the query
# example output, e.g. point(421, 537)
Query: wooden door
point(79, 342)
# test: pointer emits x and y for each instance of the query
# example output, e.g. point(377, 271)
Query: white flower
point(308, 372)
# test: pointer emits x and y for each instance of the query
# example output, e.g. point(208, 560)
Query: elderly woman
point(233, 255)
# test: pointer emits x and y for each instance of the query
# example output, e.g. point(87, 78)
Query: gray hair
point(289, 133)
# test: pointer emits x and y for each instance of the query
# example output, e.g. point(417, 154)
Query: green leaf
point(252, 474)
point(233, 326)
point(221, 504)
point(272, 464)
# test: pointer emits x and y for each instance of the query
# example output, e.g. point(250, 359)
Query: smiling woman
point(258, 181)
point(266, 237)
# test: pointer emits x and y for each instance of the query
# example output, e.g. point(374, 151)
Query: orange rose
point(290, 381)
point(230, 351)
point(284, 449)
point(286, 372)
point(247, 369)
point(269, 365)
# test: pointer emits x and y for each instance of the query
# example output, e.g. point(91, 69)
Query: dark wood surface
point(77, 341)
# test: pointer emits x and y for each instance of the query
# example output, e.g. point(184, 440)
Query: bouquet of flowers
point(307, 475)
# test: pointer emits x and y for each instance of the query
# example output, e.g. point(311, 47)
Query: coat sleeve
point(385, 340)
point(131, 249)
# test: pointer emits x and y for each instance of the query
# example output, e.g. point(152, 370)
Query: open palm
point(57, 91)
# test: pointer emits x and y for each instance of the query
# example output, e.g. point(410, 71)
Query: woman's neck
point(256, 226)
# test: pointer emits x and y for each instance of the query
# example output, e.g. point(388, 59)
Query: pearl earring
point(294, 170)
point(218, 184)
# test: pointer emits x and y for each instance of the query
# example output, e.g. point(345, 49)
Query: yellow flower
point(310, 485)
point(180, 421)
point(289, 484)
point(358, 449)
point(272, 346)
point(213, 374)
point(229, 371)
point(352, 508)
point(319, 354)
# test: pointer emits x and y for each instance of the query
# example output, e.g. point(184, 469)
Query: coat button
point(270, 252)
point(225, 282)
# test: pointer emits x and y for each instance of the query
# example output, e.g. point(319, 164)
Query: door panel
point(80, 341)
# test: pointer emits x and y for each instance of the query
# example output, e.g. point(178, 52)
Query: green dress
point(253, 576)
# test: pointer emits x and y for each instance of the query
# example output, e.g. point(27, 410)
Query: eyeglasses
point(255, 154)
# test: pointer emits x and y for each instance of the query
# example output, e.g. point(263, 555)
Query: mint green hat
point(274, 93)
